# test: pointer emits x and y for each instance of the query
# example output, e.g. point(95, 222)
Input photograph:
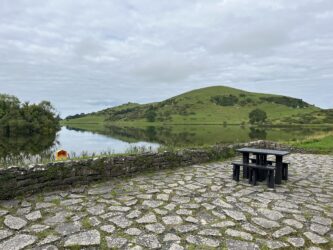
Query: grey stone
point(171, 237)
point(37, 228)
point(175, 246)
point(68, 228)
point(18, 242)
point(271, 214)
point(316, 239)
point(322, 220)
point(210, 232)
point(43, 205)
point(89, 238)
point(108, 228)
point(33, 216)
point(152, 203)
point(319, 229)
point(133, 231)
point(238, 216)
point(251, 228)
point(268, 224)
point(14, 222)
point(134, 214)
point(49, 239)
point(296, 241)
point(283, 231)
point(241, 245)
point(293, 223)
point(186, 228)
point(172, 220)
point(119, 208)
point(115, 242)
point(96, 210)
point(121, 221)
point(100, 190)
point(222, 203)
point(271, 244)
point(146, 219)
point(223, 224)
point(149, 241)
point(202, 241)
point(238, 234)
point(5, 234)
point(155, 228)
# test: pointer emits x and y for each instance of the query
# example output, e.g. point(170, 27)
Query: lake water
point(80, 141)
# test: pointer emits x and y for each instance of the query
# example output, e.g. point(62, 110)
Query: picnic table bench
point(259, 168)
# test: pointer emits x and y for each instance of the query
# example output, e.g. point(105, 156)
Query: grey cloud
point(87, 55)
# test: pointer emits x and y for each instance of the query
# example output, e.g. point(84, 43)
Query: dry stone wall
point(15, 181)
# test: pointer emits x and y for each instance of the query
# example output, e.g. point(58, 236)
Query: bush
point(225, 100)
point(257, 116)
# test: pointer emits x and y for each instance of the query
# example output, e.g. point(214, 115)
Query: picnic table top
point(263, 151)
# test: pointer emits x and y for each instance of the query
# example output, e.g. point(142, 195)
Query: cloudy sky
point(84, 55)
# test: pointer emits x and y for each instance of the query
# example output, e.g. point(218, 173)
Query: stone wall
point(17, 181)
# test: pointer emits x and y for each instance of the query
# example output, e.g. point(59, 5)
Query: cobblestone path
point(196, 207)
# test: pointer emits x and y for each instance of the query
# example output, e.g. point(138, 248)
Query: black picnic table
point(261, 159)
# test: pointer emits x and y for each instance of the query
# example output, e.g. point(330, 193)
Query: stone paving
point(196, 207)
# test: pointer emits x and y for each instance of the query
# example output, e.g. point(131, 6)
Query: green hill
point(212, 105)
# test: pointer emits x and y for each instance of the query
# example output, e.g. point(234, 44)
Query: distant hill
point(211, 105)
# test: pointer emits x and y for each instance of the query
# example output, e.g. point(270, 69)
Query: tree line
point(17, 118)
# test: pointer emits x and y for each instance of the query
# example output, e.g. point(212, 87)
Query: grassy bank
point(323, 145)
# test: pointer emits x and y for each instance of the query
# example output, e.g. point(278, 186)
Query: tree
point(257, 116)
point(151, 115)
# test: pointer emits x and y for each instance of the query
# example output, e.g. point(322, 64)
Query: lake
point(79, 141)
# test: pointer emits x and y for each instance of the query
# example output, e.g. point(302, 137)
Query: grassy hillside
point(212, 105)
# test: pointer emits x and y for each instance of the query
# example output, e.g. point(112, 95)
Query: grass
point(322, 145)
point(195, 107)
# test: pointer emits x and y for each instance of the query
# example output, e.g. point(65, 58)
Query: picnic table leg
point(246, 158)
point(278, 174)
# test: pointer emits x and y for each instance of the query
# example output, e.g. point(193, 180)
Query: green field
point(212, 105)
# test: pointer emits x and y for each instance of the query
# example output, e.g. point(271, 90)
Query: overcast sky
point(85, 55)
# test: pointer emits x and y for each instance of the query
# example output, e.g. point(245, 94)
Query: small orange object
point(61, 155)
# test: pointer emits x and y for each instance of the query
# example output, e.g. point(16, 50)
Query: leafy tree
point(18, 118)
point(225, 100)
point(257, 116)
point(151, 115)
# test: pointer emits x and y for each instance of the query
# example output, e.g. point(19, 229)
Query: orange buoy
point(61, 155)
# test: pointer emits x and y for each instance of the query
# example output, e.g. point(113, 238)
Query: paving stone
point(96, 210)
point(241, 245)
point(134, 214)
point(283, 232)
point(271, 244)
point(238, 216)
point(18, 242)
point(133, 231)
point(108, 228)
point(5, 234)
point(163, 197)
point(37, 228)
point(322, 220)
point(14, 222)
point(271, 214)
point(43, 205)
point(148, 218)
point(238, 234)
point(316, 239)
point(117, 243)
point(319, 229)
point(119, 208)
point(192, 219)
point(152, 203)
point(175, 246)
point(68, 228)
point(58, 218)
point(149, 241)
point(221, 203)
point(70, 202)
point(186, 228)
point(157, 228)
point(251, 228)
point(210, 232)
point(293, 223)
point(89, 238)
point(172, 220)
point(202, 241)
point(49, 239)
point(171, 237)
point(223, 224)
point(296, 241)
point(33, 216)
point(121, 221)
point(268, 224)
